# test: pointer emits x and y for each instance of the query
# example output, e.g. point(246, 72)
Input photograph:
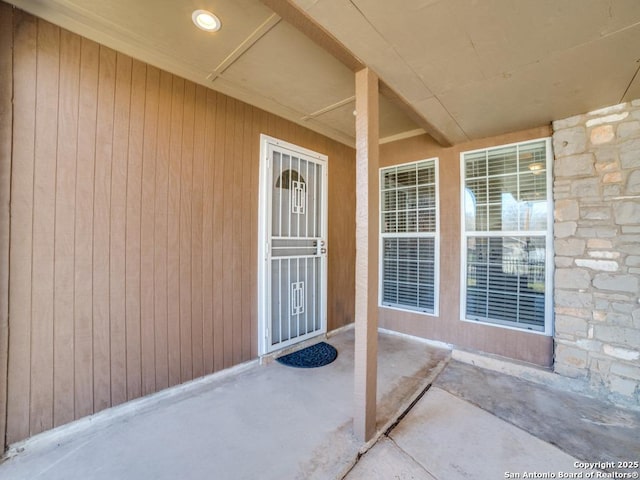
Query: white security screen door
point(292, 250)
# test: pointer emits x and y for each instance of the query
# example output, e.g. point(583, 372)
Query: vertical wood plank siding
point(133, 260)
point(6, 121)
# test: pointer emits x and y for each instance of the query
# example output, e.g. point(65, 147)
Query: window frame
point(548, 329)
point(435, 235)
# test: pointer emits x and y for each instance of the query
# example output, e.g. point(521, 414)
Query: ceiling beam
point(290, 12)
point(408, 109)
point(297, 17)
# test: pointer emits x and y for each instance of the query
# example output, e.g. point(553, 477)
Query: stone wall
point(597, 249)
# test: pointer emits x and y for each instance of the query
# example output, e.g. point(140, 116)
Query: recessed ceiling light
point(206, 21)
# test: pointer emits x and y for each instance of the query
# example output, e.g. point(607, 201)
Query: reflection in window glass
point(508, 189)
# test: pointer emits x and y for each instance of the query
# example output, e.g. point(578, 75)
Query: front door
point(292, 250)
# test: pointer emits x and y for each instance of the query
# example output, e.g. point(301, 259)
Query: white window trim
point(549, 254)
point(435, 235)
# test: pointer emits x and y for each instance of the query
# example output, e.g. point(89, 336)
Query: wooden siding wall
point(134, 227)
point(447, 327)
point(6, 119)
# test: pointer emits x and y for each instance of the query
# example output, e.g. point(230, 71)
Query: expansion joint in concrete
point(402, 413)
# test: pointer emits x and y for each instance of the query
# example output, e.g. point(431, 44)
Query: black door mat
point(317, 355)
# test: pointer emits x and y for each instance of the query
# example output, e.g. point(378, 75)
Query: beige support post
point(366, 311)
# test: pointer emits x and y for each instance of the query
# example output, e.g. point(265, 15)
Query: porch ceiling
point(470, 69)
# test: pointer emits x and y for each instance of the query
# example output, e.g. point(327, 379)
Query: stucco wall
point(597, 249)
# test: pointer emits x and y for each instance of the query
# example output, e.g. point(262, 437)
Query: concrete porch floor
point(275, 422)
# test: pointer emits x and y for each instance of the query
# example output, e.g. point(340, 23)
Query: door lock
point(321, 249)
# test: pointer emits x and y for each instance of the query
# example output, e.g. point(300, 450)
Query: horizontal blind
point(408, 278)
point(409, 242)
point(506, 227)
point(505, 279)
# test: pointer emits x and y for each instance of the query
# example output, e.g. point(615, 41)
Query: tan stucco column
point(366, 304)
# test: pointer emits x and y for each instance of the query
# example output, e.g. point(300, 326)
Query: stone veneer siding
point(597, 249)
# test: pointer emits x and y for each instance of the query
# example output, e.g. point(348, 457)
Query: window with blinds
point(507, 235)
point(409, 236)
